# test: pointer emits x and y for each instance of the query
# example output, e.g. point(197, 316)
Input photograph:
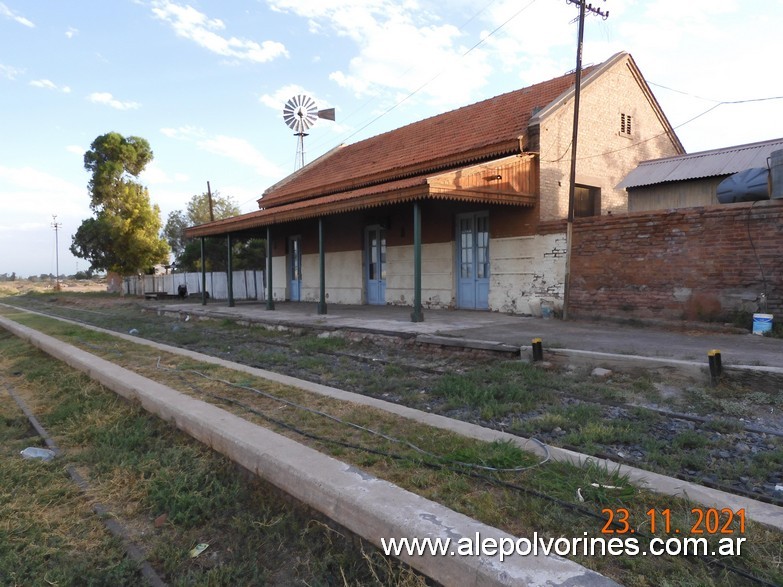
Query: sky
point(205, 82)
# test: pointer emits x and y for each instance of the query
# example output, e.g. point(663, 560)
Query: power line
point(433, 78)
point(436, 76)
point(584, 7)
point(56, 226)
point(674, 127)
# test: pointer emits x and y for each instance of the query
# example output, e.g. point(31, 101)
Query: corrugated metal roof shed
point(704, 164)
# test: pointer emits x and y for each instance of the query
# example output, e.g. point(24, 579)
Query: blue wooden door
point(473, 261)
point(375, 263)
point(295, 267)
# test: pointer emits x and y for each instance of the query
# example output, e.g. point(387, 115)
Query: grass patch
point(518, 502)
point(144, 468)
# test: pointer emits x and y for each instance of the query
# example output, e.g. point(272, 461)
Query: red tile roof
point(488, 129)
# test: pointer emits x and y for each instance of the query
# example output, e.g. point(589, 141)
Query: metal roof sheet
point(717, 162)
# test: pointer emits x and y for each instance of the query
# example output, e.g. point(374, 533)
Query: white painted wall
point(437, 275)
point(526, 270)
point(343, 278)
point(279, 278)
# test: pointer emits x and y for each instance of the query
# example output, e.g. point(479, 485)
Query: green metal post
point(417, 315)
point(270, 303)
point(203, 276)
point(322, 268)
point(230, 272)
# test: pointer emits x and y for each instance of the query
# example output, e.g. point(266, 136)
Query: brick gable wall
point(605, 156)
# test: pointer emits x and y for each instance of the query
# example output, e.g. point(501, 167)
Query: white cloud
point(71, 32)
point(401, 46)
point(109, 100)
point(191, 24)
point(183, 132)
point(50, 85)
point(30, 190)
point(76, 149)
point(23, 227)
point(153, 174)
point(9, 72)
point(8, 13)
point(242, 151)
point(277, 100)
point(237, 149)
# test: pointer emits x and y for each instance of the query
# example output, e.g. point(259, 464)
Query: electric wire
point(450, 466)
point(446, 464)
point(343, 422)
point(430, 80)
point(439, 74)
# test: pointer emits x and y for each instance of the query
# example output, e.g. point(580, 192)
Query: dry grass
point(516, 510)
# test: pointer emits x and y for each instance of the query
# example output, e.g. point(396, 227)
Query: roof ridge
point(492, 127)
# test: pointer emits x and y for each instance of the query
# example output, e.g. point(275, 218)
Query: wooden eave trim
point(280, 215)
point(504, 149)
point(271, 216)
point(483, 196)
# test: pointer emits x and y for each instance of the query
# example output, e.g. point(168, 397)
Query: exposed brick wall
point(690, 263)
point(604, 156)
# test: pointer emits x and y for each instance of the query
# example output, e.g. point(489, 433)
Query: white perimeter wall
point(247, 284)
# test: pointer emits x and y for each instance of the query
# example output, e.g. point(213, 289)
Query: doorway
point(473, 261)
point(295, 267)
point(375, 264)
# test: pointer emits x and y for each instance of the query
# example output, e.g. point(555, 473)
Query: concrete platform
point(683, 348)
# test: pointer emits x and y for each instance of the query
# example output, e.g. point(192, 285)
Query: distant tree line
point(248, 254)
point(78, 276)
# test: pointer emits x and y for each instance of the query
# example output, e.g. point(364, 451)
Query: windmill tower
point(300, 113)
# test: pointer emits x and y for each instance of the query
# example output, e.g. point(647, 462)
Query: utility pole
point(56, 225)
point(211, 210)
point(584, 7)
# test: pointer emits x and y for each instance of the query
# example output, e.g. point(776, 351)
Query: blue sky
point(205, 83)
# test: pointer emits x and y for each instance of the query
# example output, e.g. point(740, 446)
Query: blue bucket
point(762, 323)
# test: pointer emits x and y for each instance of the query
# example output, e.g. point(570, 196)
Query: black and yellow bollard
point(538, 350)
point(716, 368)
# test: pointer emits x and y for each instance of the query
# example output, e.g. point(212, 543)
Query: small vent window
point(625, 124)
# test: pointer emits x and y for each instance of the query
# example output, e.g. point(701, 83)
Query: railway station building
point(466, 209)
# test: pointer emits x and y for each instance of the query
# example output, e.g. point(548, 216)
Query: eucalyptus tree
point(124, 234)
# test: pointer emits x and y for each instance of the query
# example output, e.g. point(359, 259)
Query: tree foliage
point(123, 236)
point(249, 254)
point(196, 212)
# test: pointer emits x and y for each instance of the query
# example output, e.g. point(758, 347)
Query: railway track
point(717, 450)
point(338, 366)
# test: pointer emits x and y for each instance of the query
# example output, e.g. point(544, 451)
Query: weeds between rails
point(620, 419)
point(475, 496)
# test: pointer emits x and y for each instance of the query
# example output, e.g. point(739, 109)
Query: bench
point(155, 295)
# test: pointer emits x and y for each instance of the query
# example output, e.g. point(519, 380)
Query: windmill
point(300, 113)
